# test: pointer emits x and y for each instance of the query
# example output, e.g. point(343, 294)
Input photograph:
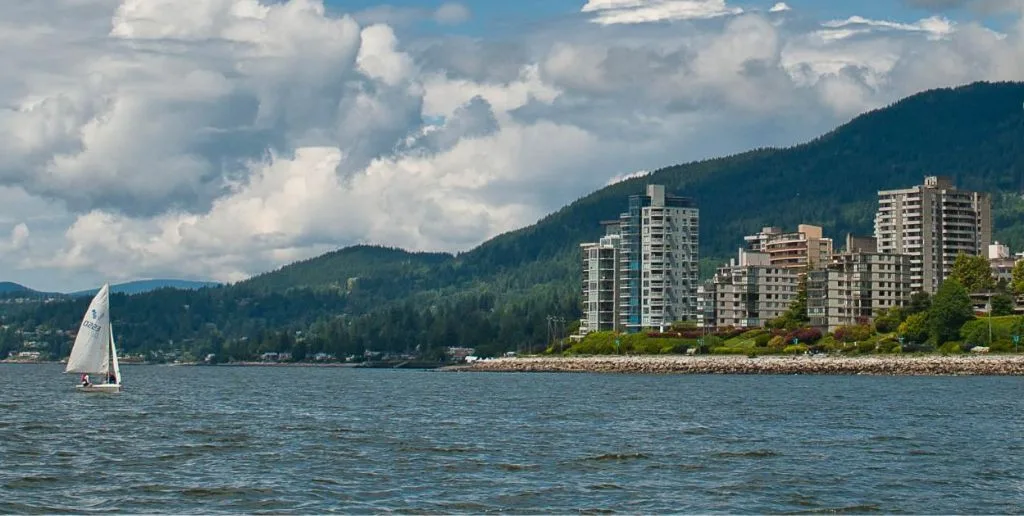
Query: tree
point(1002, 304)
point(1017, 285)
point(951, 308)
point(914, 329)
point(973, 272)
point(796, 315)
point(887, 321)
point(920, 302)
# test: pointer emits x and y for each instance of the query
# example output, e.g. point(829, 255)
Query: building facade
point(601, 282)
point(1002, 262)
point(658, 260)
point(750, 291)
point(857, 285)
point(805, 249)
point(933, 223)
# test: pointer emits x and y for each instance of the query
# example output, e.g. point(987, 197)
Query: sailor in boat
point(111, 378)
point(85, 380)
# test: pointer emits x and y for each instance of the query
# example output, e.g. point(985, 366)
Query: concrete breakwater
point(892, 365)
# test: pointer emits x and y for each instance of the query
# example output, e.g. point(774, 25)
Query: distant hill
point(506, 292)
point(142, 286)
point(8, 287)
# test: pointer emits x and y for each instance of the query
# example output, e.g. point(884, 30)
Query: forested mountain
point(7, 287)
point(500, 294)
point(141, 286)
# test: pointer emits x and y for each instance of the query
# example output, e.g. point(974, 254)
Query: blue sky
point(500, 18)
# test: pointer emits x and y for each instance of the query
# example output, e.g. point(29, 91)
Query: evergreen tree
point(1002, 304)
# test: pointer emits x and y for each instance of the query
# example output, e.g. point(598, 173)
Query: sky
point(216, 139)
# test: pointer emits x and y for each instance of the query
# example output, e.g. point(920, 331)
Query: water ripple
point(216, 440)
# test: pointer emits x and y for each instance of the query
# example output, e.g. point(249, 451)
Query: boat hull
point(99, 387)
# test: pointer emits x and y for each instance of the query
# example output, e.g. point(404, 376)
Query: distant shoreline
point(890, 365)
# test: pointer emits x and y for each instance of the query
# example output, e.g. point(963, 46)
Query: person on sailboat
point(111, 378)
point(85, 380)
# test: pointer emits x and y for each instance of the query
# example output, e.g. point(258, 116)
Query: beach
point(891, 365)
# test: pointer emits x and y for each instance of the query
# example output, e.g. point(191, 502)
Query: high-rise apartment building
point(805, 249)
point(749, 291)
point(933, 223)
point(856, 285)
point(601, 282)
point(658, 260)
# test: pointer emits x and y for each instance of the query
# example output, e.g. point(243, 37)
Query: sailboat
point(94, 351)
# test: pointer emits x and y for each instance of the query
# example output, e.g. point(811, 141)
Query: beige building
point(933, 223)
point(1001, 261)
point(601, 282)
point(856, 285)
point(804, 249)
point(749, 292)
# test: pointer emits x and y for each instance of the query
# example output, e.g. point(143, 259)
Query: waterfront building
point(706, 305)
point(856, 285)
point(1001, 261)
point(658, 260)
point(749, 291)
point(804, 249)
point(933, 223)
point(601, 281)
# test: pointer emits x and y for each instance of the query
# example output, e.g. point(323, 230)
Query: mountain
point(500, 294)
point(7, 287)
point(142, 286)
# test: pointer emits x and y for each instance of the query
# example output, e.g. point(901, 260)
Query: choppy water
point(310, 440)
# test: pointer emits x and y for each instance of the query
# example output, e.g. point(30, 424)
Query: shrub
point(762, 341)
point(854, 333)
point(951, 347)
point(727, 350)
point(795, 349)
point(867, 346)
point(805, 335)
point(827, 344)
point(776, 343)
point(889, 346)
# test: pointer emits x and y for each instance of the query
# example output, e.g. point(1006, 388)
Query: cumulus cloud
point(780, 7)
point(232, 136)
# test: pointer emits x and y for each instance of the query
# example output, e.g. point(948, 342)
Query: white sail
point(91, 352)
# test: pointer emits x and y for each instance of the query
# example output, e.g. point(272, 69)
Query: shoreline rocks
point(890, 365)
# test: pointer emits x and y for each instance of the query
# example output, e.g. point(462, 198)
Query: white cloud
point(936, 27)
point(229, 137)
point(612, 12)
point(452, 13)
point(780, 7)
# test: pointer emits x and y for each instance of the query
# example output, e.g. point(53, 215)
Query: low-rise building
point(804, 249)
point(1001, 261)
point(856, 285)
point(750, 291)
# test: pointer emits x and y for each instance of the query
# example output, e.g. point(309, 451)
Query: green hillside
point(499, 294)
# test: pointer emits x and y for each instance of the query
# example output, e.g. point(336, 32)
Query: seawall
point(892, 365)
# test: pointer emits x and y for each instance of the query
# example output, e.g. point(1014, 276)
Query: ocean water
point(315, 440)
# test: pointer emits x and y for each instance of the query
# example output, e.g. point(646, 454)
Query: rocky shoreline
point(890, 365)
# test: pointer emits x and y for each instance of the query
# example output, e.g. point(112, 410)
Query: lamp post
point(1016, 341)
